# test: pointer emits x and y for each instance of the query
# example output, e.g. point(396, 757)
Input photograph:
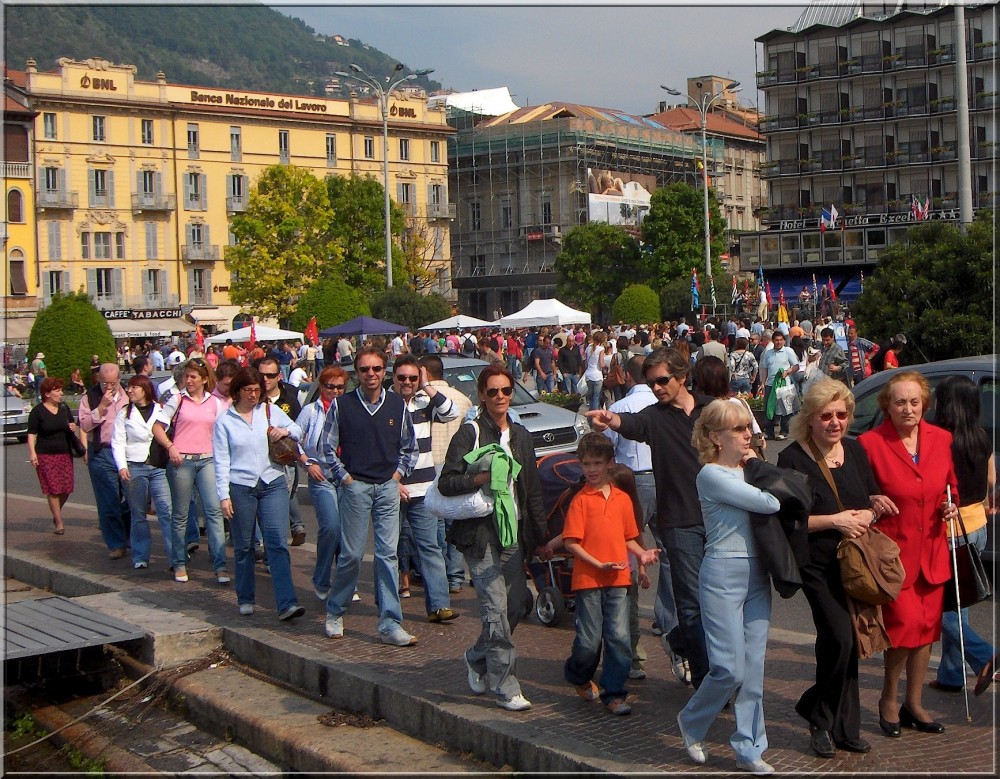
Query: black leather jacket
point(473, 535)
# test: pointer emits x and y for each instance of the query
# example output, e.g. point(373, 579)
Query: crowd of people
point(676, 450)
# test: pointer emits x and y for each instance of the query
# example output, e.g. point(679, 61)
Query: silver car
point(15, 416)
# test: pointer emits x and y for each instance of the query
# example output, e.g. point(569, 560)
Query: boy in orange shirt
point(600, 531)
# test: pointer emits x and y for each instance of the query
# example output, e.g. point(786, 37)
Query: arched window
point(15, 206)
point(15, 264)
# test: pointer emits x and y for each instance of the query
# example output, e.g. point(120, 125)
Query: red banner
point(312, 332)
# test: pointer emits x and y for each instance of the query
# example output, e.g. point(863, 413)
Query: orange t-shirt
point(602, 526)
point(230, 352)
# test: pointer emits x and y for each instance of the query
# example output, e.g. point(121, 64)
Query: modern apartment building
point(861, 116)
point(136, 181)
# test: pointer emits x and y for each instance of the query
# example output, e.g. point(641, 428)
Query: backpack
point(561, 477)
point(468, 345)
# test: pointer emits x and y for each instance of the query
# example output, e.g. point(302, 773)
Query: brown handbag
point(284, 451)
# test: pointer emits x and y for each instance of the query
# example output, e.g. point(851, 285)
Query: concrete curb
point(60, 579)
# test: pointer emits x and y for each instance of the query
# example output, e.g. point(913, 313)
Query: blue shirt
point(774, 360)
point(635, 454)
point(311, 419)
point(240, 449)
point(726, 502)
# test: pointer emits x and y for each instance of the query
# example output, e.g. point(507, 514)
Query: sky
point(610, 57)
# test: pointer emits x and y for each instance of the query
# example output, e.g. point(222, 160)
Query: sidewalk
point(422, 690)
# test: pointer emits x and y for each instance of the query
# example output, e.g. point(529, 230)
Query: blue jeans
point(502, 592)
point(736, 612)
point(425, 532)
point(740, 385)
point(145, 483)
point(363, 504)
point(601, 615)
point(664, 608)
point(453, 560)
point(548, 383)
point(324, 500)
point(777, 418)
point(978, 652)
point(595, 391)
point(183, 480)
point(113, 514)
point(268, 504)
point(569, 381)
point(686, 549)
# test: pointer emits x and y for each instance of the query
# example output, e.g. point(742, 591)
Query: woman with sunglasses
point(497, 570)
point(191, 467)
point(832, 706)
point(323, 492)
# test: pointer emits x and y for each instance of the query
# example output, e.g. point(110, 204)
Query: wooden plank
point(60, 624)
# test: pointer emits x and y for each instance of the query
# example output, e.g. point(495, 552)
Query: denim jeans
point(736, 600)
point(148, 483)
point(183, 480)
point(548, 383)
point(268, 504)
point(777, 418)
point(361, 505)
point(740, 385)
point(686, 549)
point(453, 560)
point(978, 652)
point(425, 532)
point(113, 514)
point(595, 394)
point(292, 480)
point(325, 502)
point(601, 617)
point(664, 608)
point(502, 592)
point(569, 382)
point(405, 555)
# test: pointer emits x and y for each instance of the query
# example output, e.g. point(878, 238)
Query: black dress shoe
point(908, 720)
point(858, 745)
point(934, 684)
point(891, 729)
point(821, 742)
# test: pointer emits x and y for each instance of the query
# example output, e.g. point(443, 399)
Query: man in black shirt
point(570, 364)
point(667, 427)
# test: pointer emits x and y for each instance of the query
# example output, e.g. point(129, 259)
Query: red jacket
point(918, 491)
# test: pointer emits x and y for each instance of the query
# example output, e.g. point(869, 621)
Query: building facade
point(861, 117)
point(20, 301)
point(136, 182)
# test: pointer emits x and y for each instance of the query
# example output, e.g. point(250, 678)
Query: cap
point(900, 339)
point(39, 356)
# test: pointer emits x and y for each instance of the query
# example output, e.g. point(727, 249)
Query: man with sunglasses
point(667, 427)
point(285, 397)
point(373, 430)
point(426, 405)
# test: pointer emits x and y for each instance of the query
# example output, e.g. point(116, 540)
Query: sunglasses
point(371, 368)
point(334, 387)
point(738, 429)
point(659, 381)
point(826, 416)
point(270, 375)
point(492, 392)
point(197, 361)
point(407, 377)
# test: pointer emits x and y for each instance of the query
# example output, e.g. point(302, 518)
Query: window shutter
point(150, 242)
point(55, 241)
point(208, 286)
point(118, 293)
point(41, 180)
point(189, 233)
point(46, 289)
point(245, 188)
point(430, 195)
point(62, 181)
point(399, 193)
point(190, 278)
point(204, 191)
point(111, 188)
point(91, 187)
point(158, 183)
point(65, 282)
point(139, 188)
point(206, 242)
point(92, 282)
point(164, 279)
point(146, 289)
point(230, 185)
point(187, 192)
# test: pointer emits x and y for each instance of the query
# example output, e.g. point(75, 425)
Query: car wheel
point(550, 606)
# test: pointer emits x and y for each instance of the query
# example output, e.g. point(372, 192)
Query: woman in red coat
point(911, 460)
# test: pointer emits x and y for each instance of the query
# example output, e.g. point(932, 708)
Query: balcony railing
point(441, 211)
point(17, 170)
point(146, 201)
point(985, 100)
point(199, 251)
point(51, 198)
point(984, 51)
point(236, 204)
point(201, 297)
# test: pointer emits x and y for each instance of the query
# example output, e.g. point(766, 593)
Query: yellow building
point(137, 181)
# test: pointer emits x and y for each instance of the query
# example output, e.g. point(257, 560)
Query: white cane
point(958, 605)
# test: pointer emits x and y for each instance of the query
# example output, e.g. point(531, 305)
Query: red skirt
point(914, 618)
point(55, 474)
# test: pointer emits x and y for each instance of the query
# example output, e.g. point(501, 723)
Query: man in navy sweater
point(373, 430)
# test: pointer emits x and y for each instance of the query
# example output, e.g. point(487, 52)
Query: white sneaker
point(678, 664)
point(321, 594)
point(246, 609)
point(141, 564)
point(222, 577)
point(517, 703)
point(757, 766)
point(397, 637)
point(355, 597)
point(695, 749)
point(636, 673)
point(476, 682)
point(334, 627)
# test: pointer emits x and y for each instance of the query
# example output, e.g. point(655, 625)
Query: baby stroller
point(561, 478)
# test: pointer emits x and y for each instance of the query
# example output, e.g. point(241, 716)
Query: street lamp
point(704, 106)
point(383, 92)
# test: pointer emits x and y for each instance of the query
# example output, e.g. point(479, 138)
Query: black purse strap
point(821, 462)
point(961, 524)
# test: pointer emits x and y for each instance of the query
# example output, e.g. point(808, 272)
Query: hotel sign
point(870, 220)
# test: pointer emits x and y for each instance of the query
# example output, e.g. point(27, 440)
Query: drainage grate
point(39, 627)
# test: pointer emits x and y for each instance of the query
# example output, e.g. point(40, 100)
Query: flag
point(253, 334)
point(770, 300)
point(781, 296)
point(828, 218)
point(736, 293)
point(711, 287)
point(920, 208)
point(199, 338)
point(760, 275)
point(695, 297)
point(833, 292)
point(815, 291)
point(312, 332)
point(862, 281)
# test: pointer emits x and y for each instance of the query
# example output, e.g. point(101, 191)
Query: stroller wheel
point(550, 606)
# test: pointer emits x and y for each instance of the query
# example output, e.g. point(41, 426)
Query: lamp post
point(704, 106)
point(383, 92)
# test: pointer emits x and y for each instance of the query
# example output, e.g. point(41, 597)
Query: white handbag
point(467, 506)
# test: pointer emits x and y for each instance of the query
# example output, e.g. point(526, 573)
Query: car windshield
point(464, 378)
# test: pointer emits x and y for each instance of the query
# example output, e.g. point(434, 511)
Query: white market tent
point(263, 334)
point(547, 311)
point(461, 321)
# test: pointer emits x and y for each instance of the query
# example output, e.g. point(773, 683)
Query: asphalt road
point(792, 615)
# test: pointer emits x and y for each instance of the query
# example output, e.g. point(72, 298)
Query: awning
point(216, 316)
point(148, 328)
point(17, 328)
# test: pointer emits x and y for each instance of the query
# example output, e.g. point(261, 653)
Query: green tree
point(637, 304)
point(408, 307)
point(674, 228)
point(282, 241)
point(596, 262)
point(68, 331)
point(675, 298)
point(358, 226)
point(331, 301)
point(938, 288)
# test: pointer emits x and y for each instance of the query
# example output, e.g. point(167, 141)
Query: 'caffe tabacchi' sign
point(143, 313)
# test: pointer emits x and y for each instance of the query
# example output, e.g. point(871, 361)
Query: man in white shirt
point(345, 350)
point(778, 358)
point(397, 346)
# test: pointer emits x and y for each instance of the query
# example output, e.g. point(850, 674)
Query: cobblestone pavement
point(648, 740)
